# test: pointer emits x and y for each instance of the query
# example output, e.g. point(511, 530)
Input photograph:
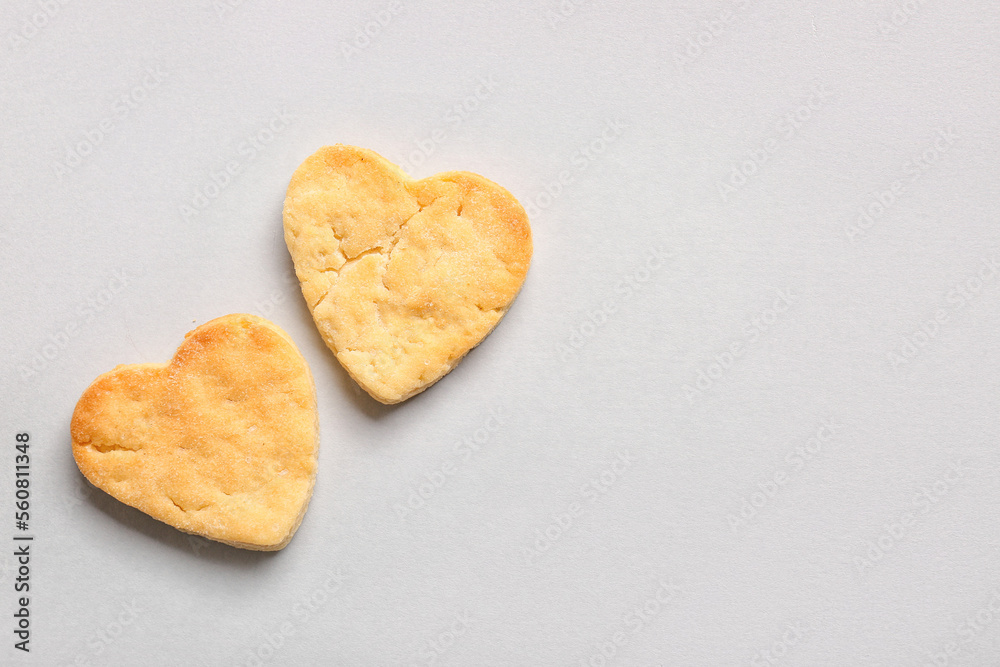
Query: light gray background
point(847, 548)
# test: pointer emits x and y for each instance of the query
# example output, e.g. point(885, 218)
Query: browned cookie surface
point(403, 277)
point(220, 442)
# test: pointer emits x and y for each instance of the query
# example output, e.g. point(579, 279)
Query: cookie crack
point(361, 255)
point(378, 249)
point(178, 506)
point(399, 232)
point(112, 447)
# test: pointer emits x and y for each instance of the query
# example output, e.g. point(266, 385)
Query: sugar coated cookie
point(221, 442)
point(403, 277)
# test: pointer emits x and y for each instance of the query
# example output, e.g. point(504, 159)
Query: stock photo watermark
point(882, 201)
point(266, 306)
point(629, 285)
point(453, 117)
point(962, 295)
point(903, 524)
point(77, 152)
point(34, 23)
point(796, 461)
point(901, 14)
point(710, 373)
point(462, 453)
point(7, 568)
point(634, 622)
point(247, 151)
point(270, 643)
point(597, 486)
point(369, 30)
point(778, 649)
point(108, 634)
point(580, 161)
point(786, 129)
point(435, 647)
point(707, 34)
point(91, 306)
point(561, 12)
point(223, 7)
point(973, 625)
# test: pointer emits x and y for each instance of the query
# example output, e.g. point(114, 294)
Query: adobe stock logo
point(635, 620)
point(249, 149)
point(581, 160)
point(712, 372)
point(269, 643)
point(223, 7)
point(108, 634)
point(974, 624)
point(896, 530)
point(876, 208)
point(625, 289)
point(961, 295)
point(364, 34)
point(561, 14)
point(700, 40)
point(437, 646)
point(547, 537)
point(454, 116)
point(120, 110)
point(93, 304)
point(900, 16)
point(779, 648)
point(463, 452)
point(796, 460)
point(787, 128)
point(31, 26)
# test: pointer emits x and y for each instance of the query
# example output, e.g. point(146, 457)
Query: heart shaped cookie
point(403, 277)
point(221, 442)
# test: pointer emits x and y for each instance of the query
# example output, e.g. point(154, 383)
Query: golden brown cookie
point(403, 277)
point(221, 442)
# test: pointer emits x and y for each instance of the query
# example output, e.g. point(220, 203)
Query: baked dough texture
point(221, 442)
point(403, 277)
